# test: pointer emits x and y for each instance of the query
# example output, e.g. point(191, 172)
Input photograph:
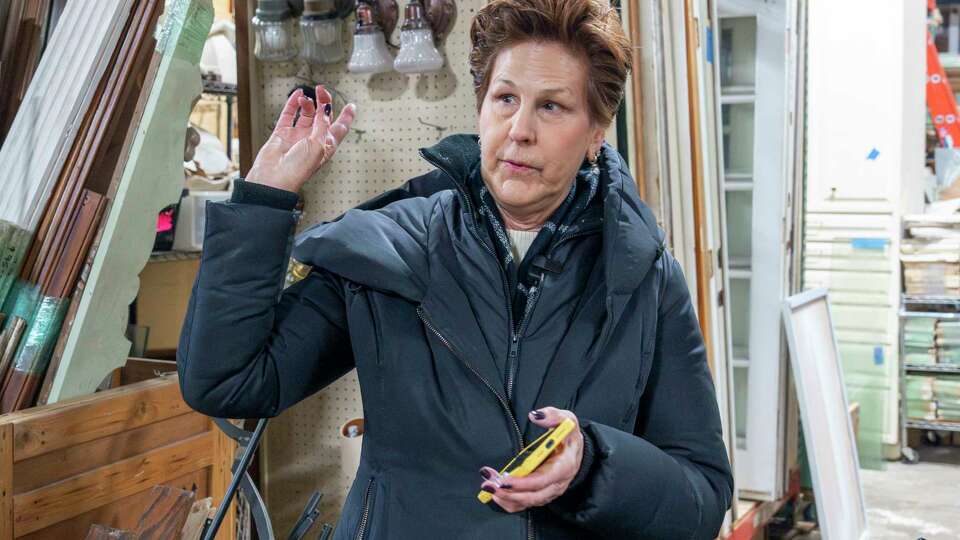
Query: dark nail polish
point(539, 415)
point(489, 489)
point(327, 109)
point(484, 472)
point(506, 486)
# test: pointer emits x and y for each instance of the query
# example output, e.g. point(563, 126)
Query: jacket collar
point(631, 238)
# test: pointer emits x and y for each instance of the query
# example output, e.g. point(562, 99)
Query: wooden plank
point(50, 467)
point(636, 87)
point(166, 514)
point(6, 482)
point(245, 83)
point(99, 532)
point(703, 255)
point(48, 428)
point(193, 528)
point(142, 369)
point(43, 507)
point(151, 180)
point(220, 476)
point(117, 514)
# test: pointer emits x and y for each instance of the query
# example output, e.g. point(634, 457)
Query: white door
point(755, 179)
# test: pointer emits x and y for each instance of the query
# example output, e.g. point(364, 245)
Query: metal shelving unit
point(937, 307)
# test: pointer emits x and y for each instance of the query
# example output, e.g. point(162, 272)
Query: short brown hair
point(590, 28)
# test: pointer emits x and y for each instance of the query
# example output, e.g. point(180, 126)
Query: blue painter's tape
point(878, 355)
point(873, 154)
point(869, 243)
point(709, 44)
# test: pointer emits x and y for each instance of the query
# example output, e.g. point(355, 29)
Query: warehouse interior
point(800, 158)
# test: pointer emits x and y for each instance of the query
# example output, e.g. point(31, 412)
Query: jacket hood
point(632, 241)
point(364, 249)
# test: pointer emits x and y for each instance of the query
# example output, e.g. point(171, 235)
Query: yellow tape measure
point(534, 454)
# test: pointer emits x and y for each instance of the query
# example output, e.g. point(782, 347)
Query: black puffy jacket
point(406, 290)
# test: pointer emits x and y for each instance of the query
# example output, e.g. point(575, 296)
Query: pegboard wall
point(396, 115)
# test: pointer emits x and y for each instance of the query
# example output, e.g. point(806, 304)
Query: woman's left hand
point(551, 479)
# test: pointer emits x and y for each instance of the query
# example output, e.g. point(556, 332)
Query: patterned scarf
point(520, 276)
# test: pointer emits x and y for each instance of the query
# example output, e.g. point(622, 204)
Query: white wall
point(865, 96)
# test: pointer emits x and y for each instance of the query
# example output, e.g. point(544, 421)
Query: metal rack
point(912, 306)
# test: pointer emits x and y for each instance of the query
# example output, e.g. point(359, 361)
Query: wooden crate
point(95, 459)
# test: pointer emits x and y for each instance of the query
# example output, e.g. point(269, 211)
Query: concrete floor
point(906, 502)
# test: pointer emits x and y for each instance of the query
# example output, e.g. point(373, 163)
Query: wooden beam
point(220, 476)
point(244, 104)
point(6, 482)
point(51, 467)
point(43, 507)
point(701, 246)
point(118, 513)
point(94, 416)
point(636, 86)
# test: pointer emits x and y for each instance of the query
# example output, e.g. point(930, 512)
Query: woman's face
point(535, 127)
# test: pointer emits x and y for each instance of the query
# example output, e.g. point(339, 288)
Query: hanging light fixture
point(417, 50)
point(274, 28)
point(321, 27)
point(370, 54)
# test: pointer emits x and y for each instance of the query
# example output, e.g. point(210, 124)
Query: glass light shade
point(370, 54)
point(322, 43)
point(274, 40)
point(417, 52)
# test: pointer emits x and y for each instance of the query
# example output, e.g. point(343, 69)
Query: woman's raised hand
point(297, 149)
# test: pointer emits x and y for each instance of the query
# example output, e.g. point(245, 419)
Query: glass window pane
point(737, 138)
point(740, 315)
point(738, 43)
point(739, 219)
point(740, 385)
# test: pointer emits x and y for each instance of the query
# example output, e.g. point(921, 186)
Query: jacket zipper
point(531, 535)
point(514, 338)
point(365, 517)
point(534, 296)
point(503, 402)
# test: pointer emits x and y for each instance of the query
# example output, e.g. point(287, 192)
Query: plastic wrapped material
point(919, 396)
point(948, 342)
point(919, 341)
point(34, 352)
point(13, 245)
point(946, 388)
point(22, 300)
point(33, 355)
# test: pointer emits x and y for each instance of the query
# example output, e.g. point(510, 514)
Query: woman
point(519, 283)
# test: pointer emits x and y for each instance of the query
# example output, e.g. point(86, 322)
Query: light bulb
point(274, 31)
point(321, 30)
point(370, 54)
point(417, 51)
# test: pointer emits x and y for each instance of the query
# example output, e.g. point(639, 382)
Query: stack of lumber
point(933, 397)
point(930, 253)
point(85, 95)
